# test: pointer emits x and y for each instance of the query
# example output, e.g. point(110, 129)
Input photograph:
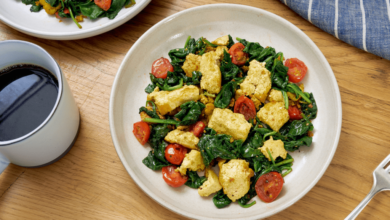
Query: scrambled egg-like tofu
point(220, 50)
point(185, 138)
point(256, 102)
point(211, 185)
point(191, 64)
point(258, 82)
point(143, 115)
point(48, 8)
point(274, 114)
point(275, 96)
point(221, 41)
point(235, 178)
point(276, 149)
point(211, 74)
point(192, 161)
point(224, 121)
point(167, 101)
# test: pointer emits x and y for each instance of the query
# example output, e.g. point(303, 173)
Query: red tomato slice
point(141, 131)
point(239, 57)
point(103, 4)
point(173, 178)
point(160, 68)
point(197, 128)
point(246, 107)
point(66, 11)
point(269, 185)
point(296, 70)
point(175, 153)
point(294, 113)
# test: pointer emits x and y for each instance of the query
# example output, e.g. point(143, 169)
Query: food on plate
point(230, 111)
point(224, 121)
point(192, 161)
point(77, 10)
point(296, 70)
point(269, 186)
point(212, 185)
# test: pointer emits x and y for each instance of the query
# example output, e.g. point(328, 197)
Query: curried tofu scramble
point(222, 117)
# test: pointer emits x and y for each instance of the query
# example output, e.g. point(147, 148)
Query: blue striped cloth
point(362, 23)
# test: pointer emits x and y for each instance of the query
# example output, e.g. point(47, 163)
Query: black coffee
point(28, 94)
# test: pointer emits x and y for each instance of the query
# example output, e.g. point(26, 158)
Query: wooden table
point(90, 182)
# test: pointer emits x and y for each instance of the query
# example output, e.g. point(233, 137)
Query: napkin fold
point(362, 23)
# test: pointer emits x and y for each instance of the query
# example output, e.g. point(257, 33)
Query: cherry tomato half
point(294, 113)
point(269, 185)
point(239, 57)
point(160, 68)
point(296, 70)
point(197, 128)
point(175, 153)
point(103, 4)
point(173, 178)
point(141, 131)
point(246, 107)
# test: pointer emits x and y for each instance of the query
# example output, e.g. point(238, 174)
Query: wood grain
point(90, 182)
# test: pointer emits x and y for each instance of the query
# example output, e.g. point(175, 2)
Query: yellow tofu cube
point(211, 185)
point(256, 102)
point(235, 178)
point(185, 138)
point(224, 121)
point(192, 161)
point(276, 149)
point(168, 101)
point(239, 93)
point(221, 41)
point(220, 50)
point(275, 96)
point(274, 114)
point(191, 64)
point(211, 74)
point(258, 82)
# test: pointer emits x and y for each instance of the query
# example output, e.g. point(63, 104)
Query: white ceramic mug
point(55, 136)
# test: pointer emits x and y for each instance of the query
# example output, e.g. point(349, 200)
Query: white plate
point(17, 15)
point(212, 21)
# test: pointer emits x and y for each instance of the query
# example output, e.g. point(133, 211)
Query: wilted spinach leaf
point(190, 112)
point(225, 95)
point(152, 162)
point(228, 70)
point(310, 109)
point(213, 146)
point(194, 180)
point(221, 200)
point(157, 134)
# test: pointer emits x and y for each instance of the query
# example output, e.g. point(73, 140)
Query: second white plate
point(17, 15)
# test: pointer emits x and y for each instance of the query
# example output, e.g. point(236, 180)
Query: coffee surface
point(28, 94)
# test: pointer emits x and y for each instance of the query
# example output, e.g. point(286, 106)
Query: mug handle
point(3, 163)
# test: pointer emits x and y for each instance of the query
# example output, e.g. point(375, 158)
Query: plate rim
point(273, 16)
point(76, 35)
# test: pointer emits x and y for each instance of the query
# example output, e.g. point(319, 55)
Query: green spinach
point(190, 112)
point(228, 70)
point(221, 200)
point(225, 95)
point(157, 134)
point(310, 109)
point(218, 145)
point(152, 162)
point(194, 180)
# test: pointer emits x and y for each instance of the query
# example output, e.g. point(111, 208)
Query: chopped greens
point(214, 145)
point(73, 8)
